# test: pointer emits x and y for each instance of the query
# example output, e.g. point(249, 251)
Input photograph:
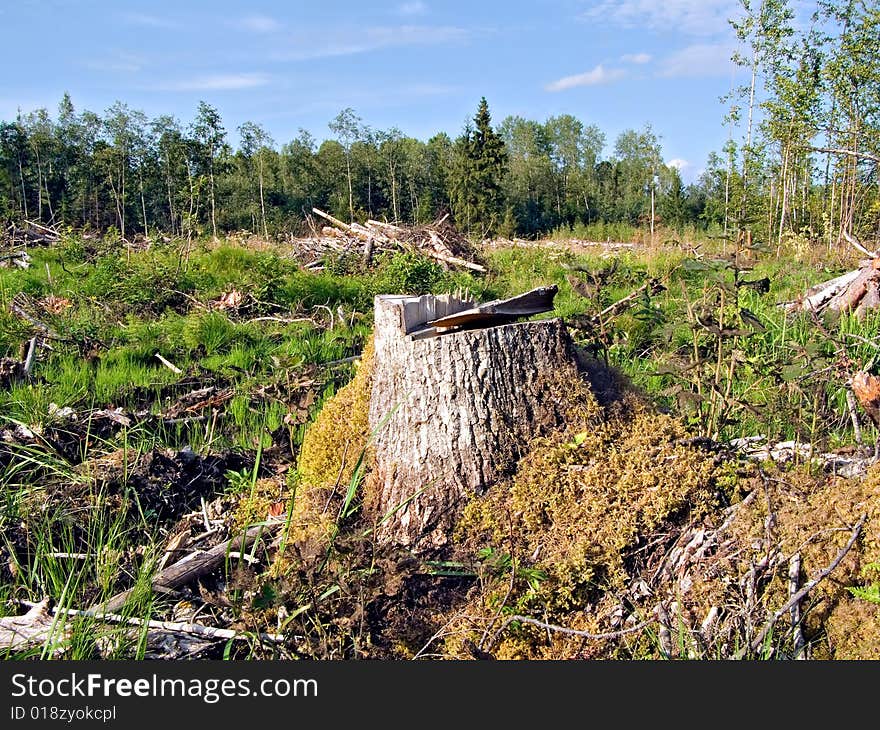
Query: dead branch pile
point(439, 241)
point(29, 233)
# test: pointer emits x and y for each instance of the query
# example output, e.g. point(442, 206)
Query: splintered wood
point(439, 241)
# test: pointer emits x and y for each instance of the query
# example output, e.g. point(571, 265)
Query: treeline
point(120, 169)
point(800, 164)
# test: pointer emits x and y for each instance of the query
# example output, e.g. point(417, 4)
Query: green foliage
point(869, 593)
point(480, 164)
point(411, 273)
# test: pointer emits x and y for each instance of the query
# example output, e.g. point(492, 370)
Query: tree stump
point(452, 413)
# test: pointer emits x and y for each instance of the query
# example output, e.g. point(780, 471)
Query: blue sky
point(419, 65)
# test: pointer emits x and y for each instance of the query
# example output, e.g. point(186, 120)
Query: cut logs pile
point(439, 241)
point(15, 239)
point(29, 233)
point(856, 291)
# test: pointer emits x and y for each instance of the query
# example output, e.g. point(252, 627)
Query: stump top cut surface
point(430, 315)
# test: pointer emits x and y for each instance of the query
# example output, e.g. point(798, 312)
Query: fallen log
point(35, 628)
point(334, 221)
point(871, 299)
point(853, 293)
point(455, 260)
point(815, 298)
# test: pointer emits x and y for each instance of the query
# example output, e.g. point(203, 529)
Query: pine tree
point(480, 165)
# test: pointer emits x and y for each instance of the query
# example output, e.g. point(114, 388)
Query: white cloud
point(349, 42)
point(691, 17)
point(701, 59)
point(595, 77)
point(220, 82)
point(638, 58)
point(687, 170)
point(412, 8)
point(259, 23)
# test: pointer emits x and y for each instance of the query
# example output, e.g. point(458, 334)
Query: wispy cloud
point(412, 8)
point(258, 24)
point(219, 82)
point(150, 21)
point(637, 58)
point(701, 59)
point(691, 17)
point(346, 42)
point(595, 77)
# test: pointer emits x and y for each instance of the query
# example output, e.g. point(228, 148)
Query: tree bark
point(451, 414)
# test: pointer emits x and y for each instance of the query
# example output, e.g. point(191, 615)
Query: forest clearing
point(187, 460)
point(518, 394)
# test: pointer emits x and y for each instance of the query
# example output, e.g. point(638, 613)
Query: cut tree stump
point(452, 413)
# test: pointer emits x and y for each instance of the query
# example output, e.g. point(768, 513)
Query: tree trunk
point(452, 413)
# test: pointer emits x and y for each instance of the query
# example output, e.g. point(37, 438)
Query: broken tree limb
point(30, 357)
point(794, 572)
point(191, 567)
point(652, 287)
point(815, 298)
point(41, 227)
point(855, 290)
point(571, 632)
point(856, 244)
point(338, 223)
point(870, 300)
point(387, 227)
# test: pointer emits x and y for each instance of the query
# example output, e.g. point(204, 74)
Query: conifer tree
point(480, 165)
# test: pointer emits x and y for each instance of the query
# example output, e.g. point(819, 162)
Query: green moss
point(333, 444)
point(579, 504)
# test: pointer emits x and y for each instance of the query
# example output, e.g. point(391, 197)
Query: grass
point(280, 354)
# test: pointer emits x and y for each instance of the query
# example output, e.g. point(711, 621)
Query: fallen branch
point(30, 357)
point(281, 320)
point(652, 287)
point(207, 632)
point(565, 630)
point(50, 231)
point(454, 260)
point(816, 297)
point(32, 629)
point(191, 567)
point(337, 222)
point(803, 592)
point(854, 242)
